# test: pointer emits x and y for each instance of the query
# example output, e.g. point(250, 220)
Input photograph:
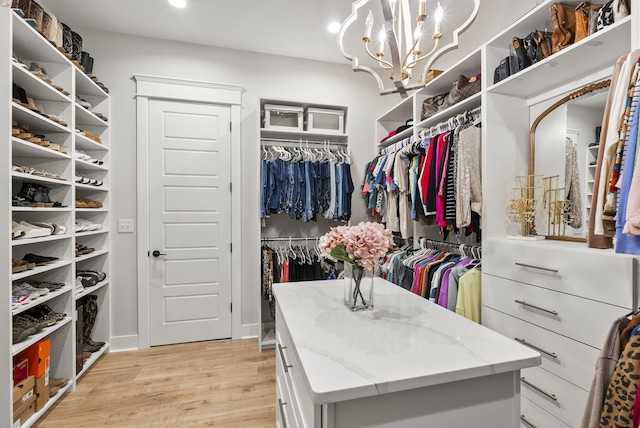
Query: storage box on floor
point(31, 393)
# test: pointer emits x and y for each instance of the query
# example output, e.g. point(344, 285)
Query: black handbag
point(502, 71)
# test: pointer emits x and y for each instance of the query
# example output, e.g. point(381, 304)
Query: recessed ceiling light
point(178, 3)
point(334, 27)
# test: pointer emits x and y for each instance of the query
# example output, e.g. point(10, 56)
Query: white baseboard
point(124, 343)
point(248, 331)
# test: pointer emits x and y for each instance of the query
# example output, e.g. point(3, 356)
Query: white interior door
point(189, 222)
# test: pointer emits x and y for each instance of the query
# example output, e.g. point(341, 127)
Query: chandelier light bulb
point(422, 10)
point(382, 37)
point(180, 4)
point(368, 26)
point(439, 13)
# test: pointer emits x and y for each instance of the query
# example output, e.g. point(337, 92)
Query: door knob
point(157, 253)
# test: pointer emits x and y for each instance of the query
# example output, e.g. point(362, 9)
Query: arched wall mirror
point(563, 149)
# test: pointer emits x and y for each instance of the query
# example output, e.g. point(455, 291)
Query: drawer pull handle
point(283, 416)
point(537, 267)
point(527, 422)
point(540, 390)
point(522, 302)
point(525, 343)
point(286, 365)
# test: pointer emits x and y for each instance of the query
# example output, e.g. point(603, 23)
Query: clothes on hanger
point(292, 264)
point(450, 280)
point(305, 184)
point(437, 178)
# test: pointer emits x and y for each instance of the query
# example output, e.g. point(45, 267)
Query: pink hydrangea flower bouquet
point(360, 247)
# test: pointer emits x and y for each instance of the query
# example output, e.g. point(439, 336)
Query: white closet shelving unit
point(411, 108)
point(22, 40)
point(543, 303)
point(538, 292)
point(280, 225)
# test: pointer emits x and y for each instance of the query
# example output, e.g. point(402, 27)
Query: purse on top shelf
point(564, 26)
point(586, 16)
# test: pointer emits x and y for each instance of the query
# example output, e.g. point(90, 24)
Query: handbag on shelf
point(538, 45)
point(462, 88)
point(564, 26)
point(605, 15)
point(433, 105)
point(502, 71)
point(621, 9)
point(586, 15)
point(520, 54)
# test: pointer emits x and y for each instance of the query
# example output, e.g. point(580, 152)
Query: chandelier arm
point(417, 60)
point(385, 65)
point(406, 58)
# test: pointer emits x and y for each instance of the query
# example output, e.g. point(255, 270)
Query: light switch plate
point(125, 225)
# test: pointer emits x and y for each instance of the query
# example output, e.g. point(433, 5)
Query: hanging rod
point(292, 238)
point(451, 123)
point(301, 142)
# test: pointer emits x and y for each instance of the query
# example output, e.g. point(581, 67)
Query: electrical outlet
point(125, 225)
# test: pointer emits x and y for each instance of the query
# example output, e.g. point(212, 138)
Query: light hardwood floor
point(219, 384)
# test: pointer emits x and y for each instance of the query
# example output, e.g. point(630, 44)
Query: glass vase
point(358, 287)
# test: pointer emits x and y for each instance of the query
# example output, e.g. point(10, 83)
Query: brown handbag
point(564, 26)
point(463, 88)
point(586, 15)
point(433, 105)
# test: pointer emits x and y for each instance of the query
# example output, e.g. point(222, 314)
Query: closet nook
point(305, 189)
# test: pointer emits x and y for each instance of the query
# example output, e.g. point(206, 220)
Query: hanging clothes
point(572, 183)
point(434, 179)
point(605, 366)
point(305, 185)
point(292, 264)
point(438, 276)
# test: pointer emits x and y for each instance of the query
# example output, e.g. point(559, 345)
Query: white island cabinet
point(406, 363)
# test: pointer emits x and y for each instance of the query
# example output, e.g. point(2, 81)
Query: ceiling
point(296, 28)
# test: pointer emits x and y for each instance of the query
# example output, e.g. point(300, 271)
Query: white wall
point(119, 57)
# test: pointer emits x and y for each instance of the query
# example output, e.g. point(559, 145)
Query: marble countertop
point(405, 342)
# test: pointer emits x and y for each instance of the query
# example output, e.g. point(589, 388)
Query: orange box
point(20, 370)
point(22, 393)
point(38, 355)
point(42, 392)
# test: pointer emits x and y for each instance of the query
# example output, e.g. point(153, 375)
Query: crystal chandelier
point(400, 43)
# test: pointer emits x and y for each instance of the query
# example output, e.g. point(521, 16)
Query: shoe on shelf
point(53, 390)
point(83, 225)
point(82, 102)
point(60, 382)
point(29, 230)
point(19, 301)
point(99, 274)
point(17, 290)
point(79, 286)
point(31, 289)
point(87, 280)
point(87, 203)
point(21, 332)
point(21, 266)
point(39, 260)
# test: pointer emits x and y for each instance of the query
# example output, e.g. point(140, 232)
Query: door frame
point(163, 88)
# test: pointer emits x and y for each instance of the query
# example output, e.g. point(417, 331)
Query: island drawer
point(290, 370)
point(562, 313)
point(562, 399)
point(285, 416)
point(577, 271)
